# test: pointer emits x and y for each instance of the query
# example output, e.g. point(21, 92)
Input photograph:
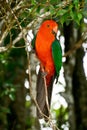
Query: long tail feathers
point(41, 97)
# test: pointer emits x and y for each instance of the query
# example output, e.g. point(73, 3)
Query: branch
point(34, 23)
point(28, 57)
point(77, 45)
point(64, 3)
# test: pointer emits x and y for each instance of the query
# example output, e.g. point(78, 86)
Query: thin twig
point(37, 19)
point(54, 127)
point(46, 93)
point(77, 45)
point(28, 57)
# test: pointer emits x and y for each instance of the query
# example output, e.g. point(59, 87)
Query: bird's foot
point(44, 74)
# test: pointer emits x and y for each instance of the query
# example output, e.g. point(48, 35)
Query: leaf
point(84, 14)
point(76, 3)
point(76, 16)
point(64, 18)
point(12, 96)
point(61, 12)
point(54, 1)
point(72, 14)
point(79, 16)
point(52, 9)
point(70, 7)
point(33, 2)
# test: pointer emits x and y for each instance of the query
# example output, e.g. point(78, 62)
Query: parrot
point(48, 51)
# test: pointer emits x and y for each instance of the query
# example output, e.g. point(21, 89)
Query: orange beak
point(55, 29)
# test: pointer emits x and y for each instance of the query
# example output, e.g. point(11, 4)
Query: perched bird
point(49, 53)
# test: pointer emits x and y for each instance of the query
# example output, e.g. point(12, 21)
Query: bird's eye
point(48, 25)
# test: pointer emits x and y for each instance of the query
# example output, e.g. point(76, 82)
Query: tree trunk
point(33, 65)
point(79, 92)
point(68, 71)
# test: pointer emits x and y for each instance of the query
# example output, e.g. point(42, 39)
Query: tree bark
point(79, 92)
point(68, 71)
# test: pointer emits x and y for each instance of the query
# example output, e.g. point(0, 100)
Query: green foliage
point(61, 116)
point(33, 2)
point(29, 122)
point(11, 63)
point(63, 12)
point(9, 91)
point(3, 112)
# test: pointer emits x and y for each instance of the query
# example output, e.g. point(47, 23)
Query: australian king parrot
point(49, 53)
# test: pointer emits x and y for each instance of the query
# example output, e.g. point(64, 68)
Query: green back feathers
point(57, 56)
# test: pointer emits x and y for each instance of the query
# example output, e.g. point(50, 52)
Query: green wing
point(57, 56)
